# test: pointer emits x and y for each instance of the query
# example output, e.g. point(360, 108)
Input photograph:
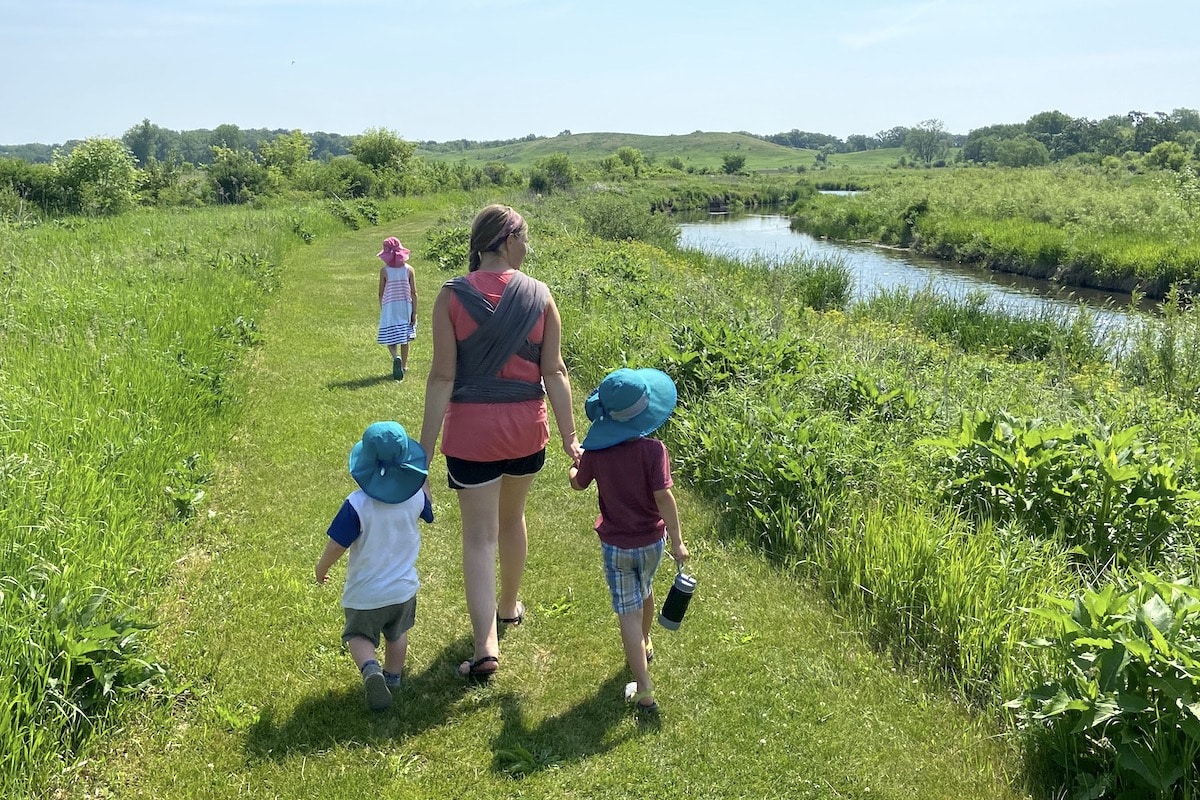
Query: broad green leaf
point(1139, 759)
point(1132, 702)
point(1104, 644)
point(1105, 708)
point(1111, 666)
point(1060, 704)
point(1138, 648)
point(1158, 613)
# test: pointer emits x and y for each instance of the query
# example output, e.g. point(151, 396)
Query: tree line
point(1048, 136)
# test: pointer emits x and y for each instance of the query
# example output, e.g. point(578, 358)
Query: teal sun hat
point(387, 465)
point(627, 404)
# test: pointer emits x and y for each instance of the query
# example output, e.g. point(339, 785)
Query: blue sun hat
point(386, 464)
point(627, 404)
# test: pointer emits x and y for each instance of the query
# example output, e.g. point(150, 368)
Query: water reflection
point(874, 268)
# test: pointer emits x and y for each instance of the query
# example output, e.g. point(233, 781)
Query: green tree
point(1022, 151)
point(732, 163)
point(927, 141)
point(147, 142)
point(552, 173)
point(382, 150)
point(1168, 155)
point(22, 182)
point(236, 176)
point(98, 176)
point(632, 158)
point(500, 174)
point(346, 176)
point(226, 136)
point(892, 137)
point(286, 153)
point(1150, 129)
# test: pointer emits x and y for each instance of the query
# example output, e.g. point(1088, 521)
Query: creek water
point(740, 235)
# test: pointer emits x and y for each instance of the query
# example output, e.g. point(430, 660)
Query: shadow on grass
point(580, 732)
point(337, 717)
point(360, 383)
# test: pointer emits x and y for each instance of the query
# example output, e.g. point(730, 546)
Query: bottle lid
point(685, 582)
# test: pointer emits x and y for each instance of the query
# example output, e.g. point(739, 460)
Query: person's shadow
point(340, 716)
point(360, 383)
point(579, 732)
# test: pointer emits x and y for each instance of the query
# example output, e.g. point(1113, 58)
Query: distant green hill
point(696, 150)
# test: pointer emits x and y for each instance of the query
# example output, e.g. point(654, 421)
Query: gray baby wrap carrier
point(503, 332)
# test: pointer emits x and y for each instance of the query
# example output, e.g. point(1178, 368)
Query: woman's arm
point(440, 384)
point(558, 383)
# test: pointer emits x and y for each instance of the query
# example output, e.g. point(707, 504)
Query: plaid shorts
point(630, 574)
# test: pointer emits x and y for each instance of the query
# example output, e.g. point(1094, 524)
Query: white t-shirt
point(383, 543)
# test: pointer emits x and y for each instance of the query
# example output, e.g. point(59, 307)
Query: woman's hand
point(571, 448)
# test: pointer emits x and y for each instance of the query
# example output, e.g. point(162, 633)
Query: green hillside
point(697, 150)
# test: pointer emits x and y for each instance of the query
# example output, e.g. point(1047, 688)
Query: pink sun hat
point(393, 253)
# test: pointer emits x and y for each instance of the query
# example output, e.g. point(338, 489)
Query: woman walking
point(496, 359)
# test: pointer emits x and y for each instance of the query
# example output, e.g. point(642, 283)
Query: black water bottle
point(677, 600)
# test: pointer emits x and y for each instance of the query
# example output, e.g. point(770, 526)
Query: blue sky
point(450, 69)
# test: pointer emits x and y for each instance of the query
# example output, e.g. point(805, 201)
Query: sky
point(469, 69)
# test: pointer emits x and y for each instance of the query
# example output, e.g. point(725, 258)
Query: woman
point(496, 358)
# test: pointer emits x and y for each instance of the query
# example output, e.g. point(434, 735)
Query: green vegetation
point(257, 691)
point(1076, 226)
point(695, 152)
point(1006, 511)
point(119, 342)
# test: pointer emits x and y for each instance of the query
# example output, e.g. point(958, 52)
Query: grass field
point(697, 150)
point(765, 691)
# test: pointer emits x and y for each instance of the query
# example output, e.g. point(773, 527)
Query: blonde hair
point(491, 227)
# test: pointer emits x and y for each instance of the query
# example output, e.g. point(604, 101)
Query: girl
point(397, 303)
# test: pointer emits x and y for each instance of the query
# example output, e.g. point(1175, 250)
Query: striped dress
point(396, 311)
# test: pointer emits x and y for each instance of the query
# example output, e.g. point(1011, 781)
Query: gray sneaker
point(379, 697)
point(393, 680)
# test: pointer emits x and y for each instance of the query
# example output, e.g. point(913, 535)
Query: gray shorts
point(392, 621)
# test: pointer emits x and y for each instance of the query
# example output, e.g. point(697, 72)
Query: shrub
point(448, 245)
point(1119, 704)
point(1105, 495)
point(619, 218)
point(99, 177)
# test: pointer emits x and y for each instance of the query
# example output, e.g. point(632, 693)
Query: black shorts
point(463, 474)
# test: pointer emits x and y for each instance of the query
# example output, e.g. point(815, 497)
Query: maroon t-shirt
point(627, 475)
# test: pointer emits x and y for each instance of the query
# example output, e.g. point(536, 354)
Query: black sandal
point(513, 621)
point(476, 675)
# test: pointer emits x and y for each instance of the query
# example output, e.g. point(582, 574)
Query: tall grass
point(969, 324)
point(117, 340)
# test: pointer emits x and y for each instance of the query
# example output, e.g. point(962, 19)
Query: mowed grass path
point(764, 691)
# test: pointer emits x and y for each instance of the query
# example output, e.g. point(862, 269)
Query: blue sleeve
point(345, 527)
point(427, 511)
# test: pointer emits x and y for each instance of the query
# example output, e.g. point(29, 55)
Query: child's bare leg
point(392, 349)
point(394, 654)
point(635, 652)
point(647, 617)
point(404, 355)
point(361, 650)
point(363, 653)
